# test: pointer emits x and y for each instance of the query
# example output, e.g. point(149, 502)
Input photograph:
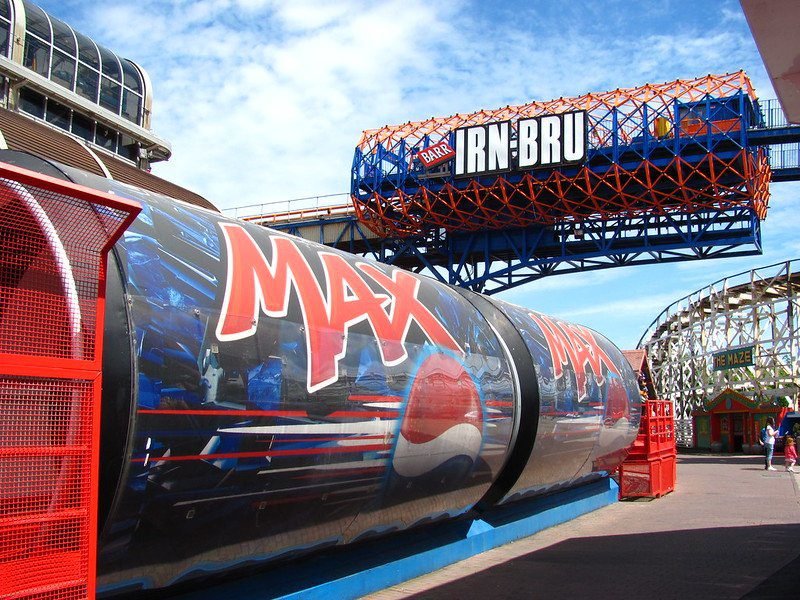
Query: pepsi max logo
point(353, 293)
point(576, 346)
point(443, 418)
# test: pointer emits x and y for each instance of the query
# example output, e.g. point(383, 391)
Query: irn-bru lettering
point(253, 284)
point(574, 344)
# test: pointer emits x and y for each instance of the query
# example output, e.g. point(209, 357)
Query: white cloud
point(633, 307)
point(264, 99)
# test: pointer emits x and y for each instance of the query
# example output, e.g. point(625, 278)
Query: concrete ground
point(729, 530)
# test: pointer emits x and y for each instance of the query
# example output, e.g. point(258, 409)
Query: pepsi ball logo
point(443, 418)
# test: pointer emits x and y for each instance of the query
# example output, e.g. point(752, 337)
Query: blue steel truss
point(493, 261)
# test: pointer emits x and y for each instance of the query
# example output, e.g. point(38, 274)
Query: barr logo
point(436, 154)
point(254, 285)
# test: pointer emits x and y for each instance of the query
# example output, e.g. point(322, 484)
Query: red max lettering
point(255, 285)
point(403, 288)
point(572, 343)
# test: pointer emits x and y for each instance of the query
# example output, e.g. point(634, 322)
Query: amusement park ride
point(660, 173)
point(264, 396)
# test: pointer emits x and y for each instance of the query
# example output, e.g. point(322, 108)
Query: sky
point(265, 100)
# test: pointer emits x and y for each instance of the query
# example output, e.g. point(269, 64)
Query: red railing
point(301, 214)
point(54, 238)
point(650, 469)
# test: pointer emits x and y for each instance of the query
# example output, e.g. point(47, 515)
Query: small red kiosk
point(731, 421)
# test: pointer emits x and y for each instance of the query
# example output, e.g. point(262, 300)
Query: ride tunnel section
point(287, 397)
point(677, 147)
point(264, 397)
point(55, 238)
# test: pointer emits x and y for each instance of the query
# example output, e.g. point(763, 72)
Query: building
point(66, 98)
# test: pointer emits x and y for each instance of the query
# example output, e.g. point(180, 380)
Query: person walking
point(790, 454)
point(768, 435)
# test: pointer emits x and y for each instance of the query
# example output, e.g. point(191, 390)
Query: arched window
point(65, 54)
point(5, 28)
point(38, 40)
point(74, 61)
point(54, 50)
point(87, 83)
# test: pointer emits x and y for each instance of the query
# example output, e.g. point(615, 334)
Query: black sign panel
point(537, 142)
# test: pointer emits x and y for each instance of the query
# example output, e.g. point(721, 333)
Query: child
point(790, 454)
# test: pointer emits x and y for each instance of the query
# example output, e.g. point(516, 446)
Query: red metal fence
point(54, 238)
point(650, 469)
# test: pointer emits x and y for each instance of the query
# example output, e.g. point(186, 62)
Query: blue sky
point(265, 100)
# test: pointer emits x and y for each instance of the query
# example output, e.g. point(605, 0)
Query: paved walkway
point(729, 530)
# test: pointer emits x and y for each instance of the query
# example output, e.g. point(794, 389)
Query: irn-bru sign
point(732, 359)
point(531, 143)
point(544, 141)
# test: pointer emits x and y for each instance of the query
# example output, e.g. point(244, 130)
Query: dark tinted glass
point(106, 138)
point(37, 56)
point(63, 69)
point(58, 114)
point(110, 94)
point(110, 64)
point(36, 21)
point(4, 10)
point(128, 148)
point(4, 37)
point(88, 51)
point(87, 83)
point(62, 37)
point(83, 127)
point(132, 78)
point(130, 106)
point(31, 103)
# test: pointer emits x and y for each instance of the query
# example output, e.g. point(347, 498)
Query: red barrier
point(656, 431)
point(650, 478)
point(54, 238)
point(650, 469)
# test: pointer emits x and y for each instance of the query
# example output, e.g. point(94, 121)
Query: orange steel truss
point(682, 178)
point(55, 238)
point(648, 189)
point(658, 96)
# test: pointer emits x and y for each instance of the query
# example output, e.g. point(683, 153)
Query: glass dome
point(55, 51)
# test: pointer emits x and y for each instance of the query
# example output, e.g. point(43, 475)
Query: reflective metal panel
point(589, 403)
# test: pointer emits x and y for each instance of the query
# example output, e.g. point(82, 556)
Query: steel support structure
point(493, 261)
point(667, 222)
point(676, 147)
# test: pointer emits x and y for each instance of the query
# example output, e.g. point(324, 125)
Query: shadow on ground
point(742, 459)
point(732, 562)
